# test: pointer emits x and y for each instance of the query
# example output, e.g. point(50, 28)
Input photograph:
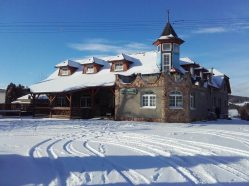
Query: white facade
point(2, 96)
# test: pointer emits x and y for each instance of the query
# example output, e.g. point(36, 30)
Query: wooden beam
point(33, 103)
point(68, 98)
point(112, 90)
point(94, 91)
point(38, 95)
point(70, 104)
point(51, 99)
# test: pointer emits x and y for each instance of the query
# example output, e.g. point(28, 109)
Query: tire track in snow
point(221, 133)
point(69, 148)
point(214, 162)
point(131, 176)
point(188, 172)
point(202, 144)
point(207, 131)
point(185, 173)
point(53, 156)
point(34, 148)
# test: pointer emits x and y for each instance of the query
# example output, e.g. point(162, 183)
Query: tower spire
point(168, 15)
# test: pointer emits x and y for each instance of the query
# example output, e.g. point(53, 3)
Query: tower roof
point(168, 35)
point(168, 30)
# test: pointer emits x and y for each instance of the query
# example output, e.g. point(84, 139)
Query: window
point(61, 101)
point(176, 48)
point(166, 62)
point(64, 71)
point(90, 69)
point(149, 101)
point(175, 99)
point(85, 102)
point(118, 67)
point(192, 101)
point(166, 47)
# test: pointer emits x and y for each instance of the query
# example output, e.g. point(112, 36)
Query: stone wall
point(182, 84)
point(128, 105)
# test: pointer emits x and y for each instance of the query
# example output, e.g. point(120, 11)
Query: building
point(2, 96)
point(24, 103)
point(151, 86)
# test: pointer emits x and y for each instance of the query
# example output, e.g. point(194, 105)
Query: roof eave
point(170, 40)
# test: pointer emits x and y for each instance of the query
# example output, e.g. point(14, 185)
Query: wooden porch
point(84, 103)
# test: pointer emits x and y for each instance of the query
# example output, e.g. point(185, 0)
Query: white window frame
point(192, 101)
point(90, 69)
point(151, 101)
point(166, 48)
point(176, 95)
point(176, 48)
point(85, 100)
point(119, 67)
point(64, 71)
point(164, 64)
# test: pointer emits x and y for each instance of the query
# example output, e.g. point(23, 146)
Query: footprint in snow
point(101, 148)
point(155, 177)
point(87, 177)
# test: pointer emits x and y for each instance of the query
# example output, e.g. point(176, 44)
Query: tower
point(168, 49)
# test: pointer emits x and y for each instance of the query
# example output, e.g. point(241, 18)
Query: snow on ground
point(103, 152)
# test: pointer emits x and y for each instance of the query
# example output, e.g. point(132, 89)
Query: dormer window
point(64, 71)
point(118, 67)
point(67, 68)
point(121, 62)
point(166, 47)
point(90, 69)
point(92, 65)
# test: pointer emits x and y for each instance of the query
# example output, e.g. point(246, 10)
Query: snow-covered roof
point(26, 99)
point(68, 63)
point(27, 96)
point(166, 37)
point(201, 68)
point(217, 78)
point(93, 60)
point(145, 63)
point(216, 72)
point(186, 60)
point(122, 57)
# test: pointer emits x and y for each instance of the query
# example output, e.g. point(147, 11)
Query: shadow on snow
point(21, 170)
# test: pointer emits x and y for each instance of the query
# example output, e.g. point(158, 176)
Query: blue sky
point(36, 35)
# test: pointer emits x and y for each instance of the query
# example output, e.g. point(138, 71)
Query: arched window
point(175, 99)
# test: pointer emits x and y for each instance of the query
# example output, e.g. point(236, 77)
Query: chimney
point(211, 72)
point(192, 71)
point(201, 74)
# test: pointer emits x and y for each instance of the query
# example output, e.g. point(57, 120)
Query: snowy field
point(102, 152)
